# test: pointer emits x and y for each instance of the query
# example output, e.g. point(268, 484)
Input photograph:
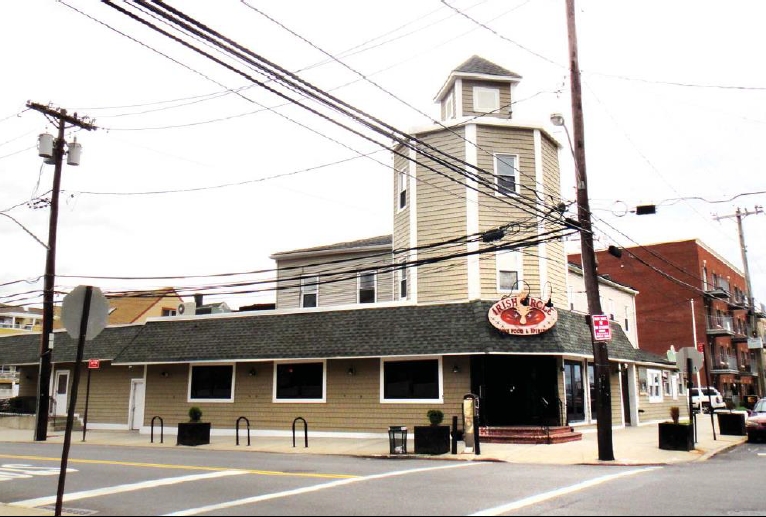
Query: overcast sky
point(674, 103)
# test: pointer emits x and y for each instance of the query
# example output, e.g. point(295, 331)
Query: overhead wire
point(399, 99)
point(294, 82)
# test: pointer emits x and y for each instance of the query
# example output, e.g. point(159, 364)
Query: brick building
point(691, 295)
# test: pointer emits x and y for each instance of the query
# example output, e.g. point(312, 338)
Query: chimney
point(198, 300)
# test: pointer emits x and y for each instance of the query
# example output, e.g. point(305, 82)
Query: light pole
point(52, 150)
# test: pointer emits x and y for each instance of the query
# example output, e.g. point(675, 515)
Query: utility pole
point(61, 119)
point(739, 215)
point(600, 353)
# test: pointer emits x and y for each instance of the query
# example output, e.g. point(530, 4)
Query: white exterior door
point(137, 391)
point(61, 393)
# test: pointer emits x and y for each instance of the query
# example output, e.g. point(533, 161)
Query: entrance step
point(529, 435)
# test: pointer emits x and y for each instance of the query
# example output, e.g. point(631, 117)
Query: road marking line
point(182, 467)
point(315, 488)
point(529, 501)
point(131, 487)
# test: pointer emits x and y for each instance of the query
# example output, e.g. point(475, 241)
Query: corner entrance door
point(137, 391)
point(575, 391)
point(61, 393)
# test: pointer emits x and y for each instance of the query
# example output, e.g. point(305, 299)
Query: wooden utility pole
point(739, 215)
point(60, 118)
point(600, 353)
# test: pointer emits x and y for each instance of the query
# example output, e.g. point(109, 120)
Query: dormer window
point(449, 107)
point(486, 100)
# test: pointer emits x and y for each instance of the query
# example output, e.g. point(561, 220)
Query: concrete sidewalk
point(632, 446)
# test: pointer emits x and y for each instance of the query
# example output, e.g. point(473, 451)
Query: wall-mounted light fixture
point(456, 369)
point(165, 374)
point(252, 372)
point(351, 371)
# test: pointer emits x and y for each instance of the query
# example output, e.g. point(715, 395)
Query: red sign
point(94, 364)
point(523, 317)
point(601, 329)
point(701, 348)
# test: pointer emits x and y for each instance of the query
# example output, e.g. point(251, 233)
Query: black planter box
point(676, 437)
point(432, 439)
point(732, 424)
point(193, 433)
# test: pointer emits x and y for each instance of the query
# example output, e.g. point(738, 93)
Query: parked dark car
point(756, 422)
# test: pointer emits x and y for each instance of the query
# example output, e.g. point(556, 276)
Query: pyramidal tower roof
point(477, 67)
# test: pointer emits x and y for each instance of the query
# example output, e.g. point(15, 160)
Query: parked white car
point(701, 398)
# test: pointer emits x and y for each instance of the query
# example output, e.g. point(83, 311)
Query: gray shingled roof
point(387, 331)
point(24, 348)
point(479, 65)
point(383, 240)
point(461, 328)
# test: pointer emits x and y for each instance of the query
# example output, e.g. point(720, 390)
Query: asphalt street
point(138, 481)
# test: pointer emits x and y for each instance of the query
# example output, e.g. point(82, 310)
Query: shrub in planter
point(194, 432)
point(674, 436)
point(435, 438)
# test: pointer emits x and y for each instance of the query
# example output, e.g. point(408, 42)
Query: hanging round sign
point(521, 316)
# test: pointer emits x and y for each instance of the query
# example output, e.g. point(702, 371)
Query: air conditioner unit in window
point(187, 309)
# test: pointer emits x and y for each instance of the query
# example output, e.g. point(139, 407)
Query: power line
point(295, 83)
point(392, 95)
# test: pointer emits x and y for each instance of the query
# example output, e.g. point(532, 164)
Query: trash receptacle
point(397, 440)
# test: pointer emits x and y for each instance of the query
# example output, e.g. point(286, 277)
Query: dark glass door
point(573, 381)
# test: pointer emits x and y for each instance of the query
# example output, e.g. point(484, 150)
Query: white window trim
point(323, 400)
point(359, 286)
point(484, 109)
point(402, 186)
point(385, 360)
point(516, 172)
point(303, 292)
point(189, 398)
point(449, 106)
point(651, 377)
point(520, 272)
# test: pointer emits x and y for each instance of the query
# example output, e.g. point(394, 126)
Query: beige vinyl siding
point(441, 209)
point(401, 217)
point(28, 386)
point(338, 282)
point(616, 387)
point(109, 393)
point(495, 212)
point(505, 98)
point(656, 411)
point(353, 402)
point(557, 260)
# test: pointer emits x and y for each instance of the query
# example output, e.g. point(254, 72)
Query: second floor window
point(402, 273)
point(506, 174)
point(310, 292)
point(508, 270)
point(367, 288)
point(402, 182)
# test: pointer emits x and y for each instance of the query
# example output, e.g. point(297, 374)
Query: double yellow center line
point(180, 467)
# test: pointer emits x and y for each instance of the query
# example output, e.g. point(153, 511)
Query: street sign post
point(84, 313)
point(601, 330)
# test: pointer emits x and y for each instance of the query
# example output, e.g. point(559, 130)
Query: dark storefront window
point(593, 397)
point(300, 381)
point(212, 383)
point(574, 390)
point(411, 380)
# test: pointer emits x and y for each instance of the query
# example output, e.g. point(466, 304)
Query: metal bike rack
point(162, 429)
point(248, 429)
point(305, 431)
